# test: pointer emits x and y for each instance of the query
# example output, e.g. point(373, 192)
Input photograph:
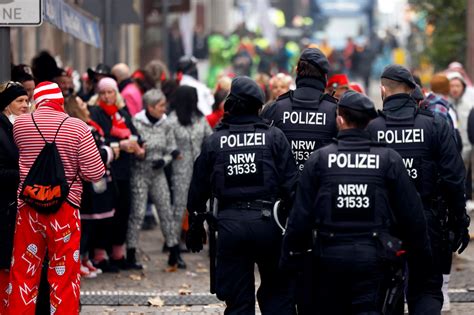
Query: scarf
point(56, 106)
point(119, 127)
point(96, 126)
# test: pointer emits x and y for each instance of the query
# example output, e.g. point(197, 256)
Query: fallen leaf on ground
point(202, 270)
point(135, 277)
point(190, 274)
point(156, 301)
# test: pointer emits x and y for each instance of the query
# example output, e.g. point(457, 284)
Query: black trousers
point(122, 212)
point(424, 294)
point(348, 278)
point(245, 238)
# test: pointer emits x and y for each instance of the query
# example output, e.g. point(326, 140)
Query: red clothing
point(75, 144)
point(60, 233)
point(215, 117)
point(4, 281)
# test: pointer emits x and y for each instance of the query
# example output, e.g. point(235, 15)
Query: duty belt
point(247, 205)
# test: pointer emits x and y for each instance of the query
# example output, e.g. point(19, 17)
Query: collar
point(143, 117)
point(124, 83)
point(302, 82)
point(398, 101)
point(353, 134)
point(242, 120)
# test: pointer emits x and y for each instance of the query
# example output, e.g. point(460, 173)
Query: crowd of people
point(148, 128)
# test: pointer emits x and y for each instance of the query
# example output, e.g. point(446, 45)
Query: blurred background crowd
point(153, 84)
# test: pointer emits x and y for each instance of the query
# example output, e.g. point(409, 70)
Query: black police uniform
point(306, 115)
point(429, 153)
point(348, 198)
point(246, 165)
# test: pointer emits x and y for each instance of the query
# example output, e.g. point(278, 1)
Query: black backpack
point(45, 187)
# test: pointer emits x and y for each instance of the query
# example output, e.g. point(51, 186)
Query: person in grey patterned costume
point(190, 128)
point(148, 177)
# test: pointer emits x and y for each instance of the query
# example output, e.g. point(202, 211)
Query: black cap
point(101, 69)
point(417, 94)
point(246, 89)
point(359, 102)
point(315, 57)
point(400, 74)
point(187, 64)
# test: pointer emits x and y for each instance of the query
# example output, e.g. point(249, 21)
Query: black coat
point(94, 202)
point(9, 180)
point(121, 166)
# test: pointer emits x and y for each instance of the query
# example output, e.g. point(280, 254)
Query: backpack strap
point(57, 131)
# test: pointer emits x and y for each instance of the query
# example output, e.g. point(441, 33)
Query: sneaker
point(85, 273)
point(87, 263)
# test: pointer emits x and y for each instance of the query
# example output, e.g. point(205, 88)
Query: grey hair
point(152, 97)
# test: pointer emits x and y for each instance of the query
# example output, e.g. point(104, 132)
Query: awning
point(73, 21)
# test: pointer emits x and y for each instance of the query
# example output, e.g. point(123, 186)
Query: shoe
point(87, 263)
point(85, 273)
point(119, 263)
point(106, 266)
point(173, 256)
point(181, 263)
point(132, 260)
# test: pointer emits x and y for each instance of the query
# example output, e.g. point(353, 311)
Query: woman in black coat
point(13, 102)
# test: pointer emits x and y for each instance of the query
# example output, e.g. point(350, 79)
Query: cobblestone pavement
point(195, 279)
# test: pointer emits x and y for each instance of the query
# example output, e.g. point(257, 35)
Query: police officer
point(246, 165)
point(428, 149)
point(306, 115)
point(348, 199)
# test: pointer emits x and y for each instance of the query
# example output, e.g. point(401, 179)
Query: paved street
point(195, 281)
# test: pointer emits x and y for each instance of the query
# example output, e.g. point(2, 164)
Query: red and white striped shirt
point(75, 144)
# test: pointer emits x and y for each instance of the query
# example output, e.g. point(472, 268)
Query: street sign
point(21, 12)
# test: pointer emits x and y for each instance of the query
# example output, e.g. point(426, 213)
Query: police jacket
point(307, 116)
point(428, 149)
point(243, 160)
point(354, 187)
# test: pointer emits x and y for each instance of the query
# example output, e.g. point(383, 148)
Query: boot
point(173, 259)
point(181, 263)
point(132, 259)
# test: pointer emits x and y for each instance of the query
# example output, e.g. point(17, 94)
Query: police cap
point(315, 57)
point(358, 102)
point(400, 74)
point(417, 94)
point(246, 89)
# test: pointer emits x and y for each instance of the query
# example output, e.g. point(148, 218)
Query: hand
point(459, 235)
point(156, 165)
point(196, 237)
point(140, 153)
point(116, 151)
point(128, 146)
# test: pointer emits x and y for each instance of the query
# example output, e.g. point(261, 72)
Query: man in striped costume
point(58, 232)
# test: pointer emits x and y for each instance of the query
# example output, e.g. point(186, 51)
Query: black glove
point(459, 236)
point(156, 165)
point(196, 235)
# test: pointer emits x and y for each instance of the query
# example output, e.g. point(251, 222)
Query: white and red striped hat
point(48, 91)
